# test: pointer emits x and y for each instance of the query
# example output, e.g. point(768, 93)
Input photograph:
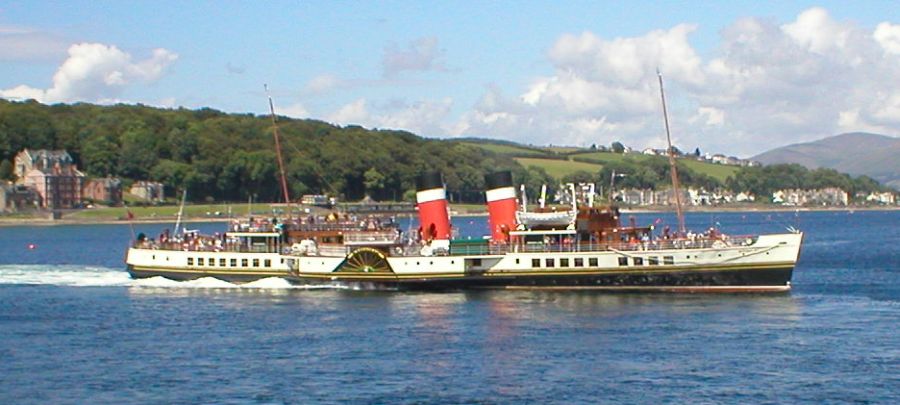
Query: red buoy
point(431, 199)
point(31, 246)
point(501, 202)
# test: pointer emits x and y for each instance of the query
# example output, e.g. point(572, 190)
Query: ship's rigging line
point(676, 189)
point(284, 187)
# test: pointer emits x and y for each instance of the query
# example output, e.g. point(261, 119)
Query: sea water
point(74, 328)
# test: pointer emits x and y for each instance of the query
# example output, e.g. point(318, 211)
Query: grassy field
point(171, 211)
point(719, 172)
point(505, 149)
point(563, 149)
point(201, 211)
point(559, 168)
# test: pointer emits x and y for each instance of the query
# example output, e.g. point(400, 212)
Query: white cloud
point(888, 36)
point(422, 117)
point(815, 30)
point(420, 55)
point(297, 110)
point(354, 113)
point(765, 85)
point(709, 116)
point(96, 72)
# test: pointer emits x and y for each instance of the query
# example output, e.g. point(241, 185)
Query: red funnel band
point(501, 212)
point(433, 218)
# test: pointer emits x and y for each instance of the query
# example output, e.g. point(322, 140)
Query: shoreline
point(43, 221)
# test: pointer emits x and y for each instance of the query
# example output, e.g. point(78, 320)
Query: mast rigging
point(284, 187)
point(676, 188)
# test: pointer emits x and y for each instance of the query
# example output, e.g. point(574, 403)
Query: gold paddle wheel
point(365, 260)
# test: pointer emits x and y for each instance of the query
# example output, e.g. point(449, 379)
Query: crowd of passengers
point(194, 241)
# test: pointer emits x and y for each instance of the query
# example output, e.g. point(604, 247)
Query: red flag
point(130, 214)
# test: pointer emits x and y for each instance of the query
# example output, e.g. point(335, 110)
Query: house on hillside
point(886, 198)
point(635, 196)
point(52, 174)
point(149, 191)
point(106, 190)
point(830, 196)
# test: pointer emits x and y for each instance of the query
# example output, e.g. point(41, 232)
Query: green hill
point(716, 171)
point(506, 149)
point(854, 153)
point(559, 168)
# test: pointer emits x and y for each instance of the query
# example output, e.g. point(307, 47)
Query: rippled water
point(75, 329)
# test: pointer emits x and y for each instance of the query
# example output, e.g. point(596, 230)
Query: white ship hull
point(764, 265)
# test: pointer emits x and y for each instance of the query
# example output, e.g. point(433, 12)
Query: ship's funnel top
point(498, 179)
point(428, 181)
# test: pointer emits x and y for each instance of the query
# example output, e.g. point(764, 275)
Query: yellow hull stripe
point(212, 272)
point(586, 272)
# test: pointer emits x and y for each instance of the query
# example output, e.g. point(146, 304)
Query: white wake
point(90, 276)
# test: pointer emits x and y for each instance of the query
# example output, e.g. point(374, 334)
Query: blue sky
point(742, 77)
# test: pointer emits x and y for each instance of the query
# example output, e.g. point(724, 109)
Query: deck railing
point(395, 248)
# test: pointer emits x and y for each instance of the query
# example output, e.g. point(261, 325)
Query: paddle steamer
point(585, 247)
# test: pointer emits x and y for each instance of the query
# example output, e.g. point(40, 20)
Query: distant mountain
point(857, 153)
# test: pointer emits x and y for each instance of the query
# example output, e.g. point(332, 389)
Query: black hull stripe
point(539, 273)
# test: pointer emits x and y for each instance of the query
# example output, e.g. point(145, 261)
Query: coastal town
point(49, 181)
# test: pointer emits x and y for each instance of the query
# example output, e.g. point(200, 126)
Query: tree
point(617, 147)
point(697, 152)
point(99, 155)
point(6, 171)
point(138, 153)
point(373, 181)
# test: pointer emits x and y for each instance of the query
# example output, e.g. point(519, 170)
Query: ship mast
point(284, 187)
point(676, 188)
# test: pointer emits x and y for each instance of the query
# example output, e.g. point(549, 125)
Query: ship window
point(190, 261)
point(211, 261)
point(221, 262)
point(638, 261)
point(653, 260)
point(592, 261)
point(535, 262)
point(563, 262)
point(233, 262)
point(255, 262)
point(154, 257)
point(550, 263)
point(668, 260)
point(267, 263)
point(200, 261)
point(579, 262)
point(517, 260)
point(243, 262)
point(476, 262)
point(623, 261)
